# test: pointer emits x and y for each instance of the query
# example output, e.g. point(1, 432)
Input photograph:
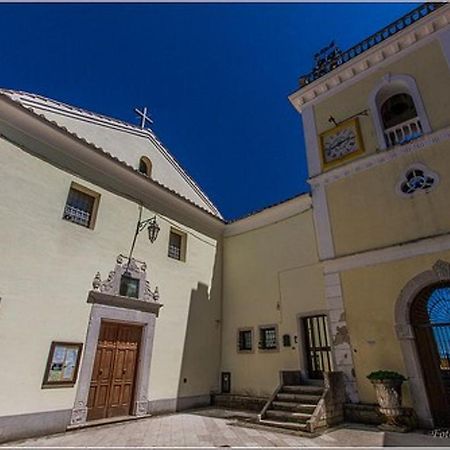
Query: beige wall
point(426, 64)
point(366, 212)
point(47, 271)
point(370, 295)
point(271, 274)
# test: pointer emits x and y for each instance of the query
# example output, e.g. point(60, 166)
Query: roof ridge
point(146, 132)
point(73, 108)
point(107, 154)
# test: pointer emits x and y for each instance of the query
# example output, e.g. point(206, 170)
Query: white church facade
point(124, 292)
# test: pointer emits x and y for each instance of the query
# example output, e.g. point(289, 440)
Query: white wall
point(47, 271)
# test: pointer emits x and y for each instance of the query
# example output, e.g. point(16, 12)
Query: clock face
point(341, 142)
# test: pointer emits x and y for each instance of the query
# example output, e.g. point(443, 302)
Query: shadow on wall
point(200, 364)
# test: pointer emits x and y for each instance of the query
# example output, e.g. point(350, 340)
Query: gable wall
point(129, 146)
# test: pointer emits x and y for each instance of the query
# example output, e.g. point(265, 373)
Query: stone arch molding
point(398, 82)
point(405, 334)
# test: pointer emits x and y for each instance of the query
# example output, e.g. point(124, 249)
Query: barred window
point(177, 245)
point(245, 340)
point(80, 207)
point(268, 338)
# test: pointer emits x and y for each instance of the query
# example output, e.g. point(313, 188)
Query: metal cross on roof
point(144, 117)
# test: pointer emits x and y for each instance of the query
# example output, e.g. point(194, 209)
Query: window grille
point(79, 207)
point(268, 338)
point(175, 246)
point(317, 346)
point(245, 340)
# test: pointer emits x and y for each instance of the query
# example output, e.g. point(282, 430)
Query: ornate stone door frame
point(405, 334)
point(109, 306)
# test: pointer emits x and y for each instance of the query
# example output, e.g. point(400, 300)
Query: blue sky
point(215, 77)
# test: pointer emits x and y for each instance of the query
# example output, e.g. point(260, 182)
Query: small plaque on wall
point(62, 364)
point(341, 143)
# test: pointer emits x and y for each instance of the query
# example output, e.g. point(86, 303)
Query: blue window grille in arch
point(430, 318)
point(438, 309)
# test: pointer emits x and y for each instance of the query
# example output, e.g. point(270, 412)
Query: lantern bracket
point(153, 230)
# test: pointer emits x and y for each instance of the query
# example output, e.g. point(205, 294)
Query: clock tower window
point(397, 110)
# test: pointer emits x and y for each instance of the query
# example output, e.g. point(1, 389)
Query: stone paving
point(217, 428)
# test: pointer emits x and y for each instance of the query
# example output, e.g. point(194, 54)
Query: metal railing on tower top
point(331, 57)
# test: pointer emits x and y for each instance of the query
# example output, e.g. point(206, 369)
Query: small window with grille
point(268, 337)
point(177, 245)
point(245, 340)
point(81, 206)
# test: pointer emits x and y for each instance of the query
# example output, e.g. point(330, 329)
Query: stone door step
point(107, 421)
point(303, 389)
point(287, 416)
point(298, 398)
point(294, 407)
point(286, 425)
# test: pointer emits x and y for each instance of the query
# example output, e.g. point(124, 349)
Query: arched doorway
point(430, 320)
point(413, 300)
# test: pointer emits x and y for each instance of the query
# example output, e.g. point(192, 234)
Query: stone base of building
point(22, 426)
point(242, 402)
point(370, 414)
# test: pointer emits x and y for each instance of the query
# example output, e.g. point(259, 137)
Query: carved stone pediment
point(133, 270)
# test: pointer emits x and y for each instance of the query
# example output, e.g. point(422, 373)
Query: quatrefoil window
point(417, 178)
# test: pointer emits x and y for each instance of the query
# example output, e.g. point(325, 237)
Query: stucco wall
point(271, 274)
point(367, 212)
point(370, 294)
point(48, 267)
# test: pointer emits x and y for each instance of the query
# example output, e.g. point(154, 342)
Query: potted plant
point(388, 388)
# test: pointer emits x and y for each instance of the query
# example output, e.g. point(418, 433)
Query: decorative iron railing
point(403, 132)
point(336, 57)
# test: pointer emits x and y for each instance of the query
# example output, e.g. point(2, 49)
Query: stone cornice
point(401, 250)
point(379, 158)
point(386, 51)
point(118, 301)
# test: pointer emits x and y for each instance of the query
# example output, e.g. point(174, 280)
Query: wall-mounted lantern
point(153, 229)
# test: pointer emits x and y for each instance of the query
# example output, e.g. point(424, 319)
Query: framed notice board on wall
point(62, 364)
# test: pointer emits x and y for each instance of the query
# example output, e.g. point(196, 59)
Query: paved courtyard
point(218, 428)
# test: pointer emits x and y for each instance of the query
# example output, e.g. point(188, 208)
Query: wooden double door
point(113, 377)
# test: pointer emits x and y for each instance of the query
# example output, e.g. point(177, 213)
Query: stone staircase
point(292, 407)
point(299, 405)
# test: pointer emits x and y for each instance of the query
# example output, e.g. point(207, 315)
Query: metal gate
point(317, 346)
point(430, 318)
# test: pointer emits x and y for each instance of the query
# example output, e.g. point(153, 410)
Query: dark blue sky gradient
point(215, 77)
